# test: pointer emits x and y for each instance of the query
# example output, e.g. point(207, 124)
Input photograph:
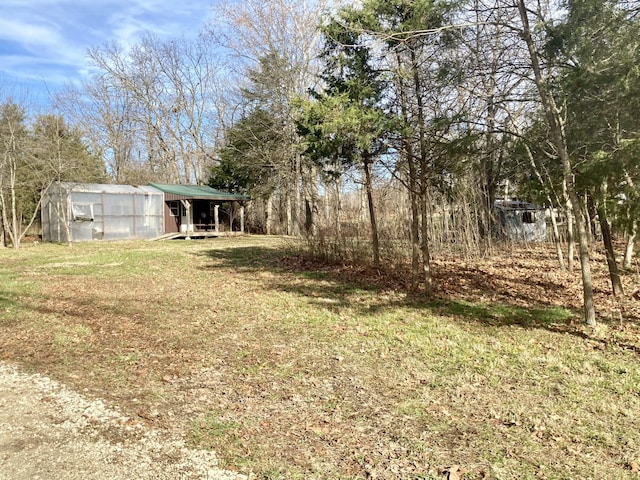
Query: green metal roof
point(197, 192)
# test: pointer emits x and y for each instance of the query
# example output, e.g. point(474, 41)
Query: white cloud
point(48, 39)
point(29, 34)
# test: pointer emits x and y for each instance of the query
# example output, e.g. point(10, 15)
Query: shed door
point(172, 216)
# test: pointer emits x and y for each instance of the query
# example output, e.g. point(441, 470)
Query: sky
point(43, 43)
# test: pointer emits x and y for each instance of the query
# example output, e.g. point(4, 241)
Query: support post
point(241, 218)
point(189, 218)
point(216, 218)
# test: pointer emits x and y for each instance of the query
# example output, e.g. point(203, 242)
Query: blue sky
point(43, 43)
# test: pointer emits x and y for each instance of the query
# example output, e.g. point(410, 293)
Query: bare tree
point(275, 46)
point(105, 114)
point(152, 111)
point(496, 94)
point(21, 178)
point(13, 136)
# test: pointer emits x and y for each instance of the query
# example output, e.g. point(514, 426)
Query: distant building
point(88, 212)
point(520, 221)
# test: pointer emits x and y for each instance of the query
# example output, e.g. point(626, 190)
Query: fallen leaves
point(454, 472)
point(458, 472)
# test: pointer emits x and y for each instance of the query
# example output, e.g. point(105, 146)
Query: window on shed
point(529, 217)
point(82, 212)
point(174, 208)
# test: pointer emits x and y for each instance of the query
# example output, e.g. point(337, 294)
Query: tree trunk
point(269, 212)
point(424, 245)
point(310, 201)
point(556, 130)
point(3, 233)
point(591, 211)
point(414, 232)
point(3, 213)
point(585, 267)
point(14, 231)
point(633, 230)
point(570, 231)
point(415, 222)
point(338, 207)
point(628, 251)
point(63, 215)
point(326, 204)
point(415, 216)
point(554, 223)
point(423, 174)
point(487, 164)
point(375, 243)
point(296, 208)
point(289, 214)
point(614, 273)
point(556, 237)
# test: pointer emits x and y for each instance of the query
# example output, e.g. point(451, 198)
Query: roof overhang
point(197, 192)
point(516, 205)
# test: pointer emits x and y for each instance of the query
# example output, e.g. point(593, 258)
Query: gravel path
point(50, 432)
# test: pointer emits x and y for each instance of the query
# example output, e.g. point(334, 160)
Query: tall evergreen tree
point(345, 125)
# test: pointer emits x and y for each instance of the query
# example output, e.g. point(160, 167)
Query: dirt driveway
point(49, 432)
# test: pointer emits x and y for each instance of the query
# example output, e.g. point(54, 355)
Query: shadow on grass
point(334, 290)
point(6, 300)
point(246, 259)
point(7, 303)
point(550, 317)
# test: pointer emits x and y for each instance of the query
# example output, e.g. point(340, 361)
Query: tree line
point(385, 132)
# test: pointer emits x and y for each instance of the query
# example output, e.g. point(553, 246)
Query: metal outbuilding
point(87, 212)
point(520, 221)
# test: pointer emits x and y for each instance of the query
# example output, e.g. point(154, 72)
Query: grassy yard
point(292, 371)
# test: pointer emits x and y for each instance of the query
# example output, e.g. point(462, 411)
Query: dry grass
point(291, 370)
